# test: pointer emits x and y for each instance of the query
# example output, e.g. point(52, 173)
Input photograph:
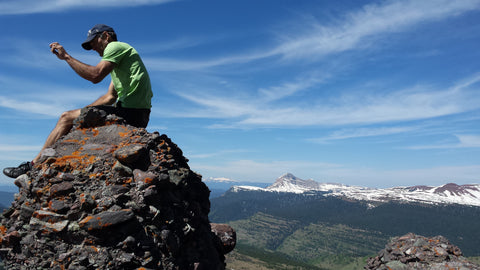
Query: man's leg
point(63, 126)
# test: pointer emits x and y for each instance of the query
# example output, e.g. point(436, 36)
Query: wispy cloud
point(362, 132)
point(360, 29)
point(13, 153)
point(463, 141)
point(218, 153)
point(211, 106)
point(11, 7)
point(19, 148)
point(33, 107)
point(180, 43)
point(170, 64)
point(290, 88)
point(469, 140)
point(33, 53)
point(49, 99)
point(357, 107)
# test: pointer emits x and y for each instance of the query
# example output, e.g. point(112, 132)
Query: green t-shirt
point(130, 77)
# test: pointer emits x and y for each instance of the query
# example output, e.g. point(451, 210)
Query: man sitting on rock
point(130, 90)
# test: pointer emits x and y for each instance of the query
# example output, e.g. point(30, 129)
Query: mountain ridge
point(450, 193)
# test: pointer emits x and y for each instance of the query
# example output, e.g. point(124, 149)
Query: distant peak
point(287, 177)
point(454, 189)
point(290, 183)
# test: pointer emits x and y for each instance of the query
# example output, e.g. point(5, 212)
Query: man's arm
point(94, 74)
point(109, 98)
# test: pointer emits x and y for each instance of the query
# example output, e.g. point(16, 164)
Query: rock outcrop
point(417, 252)
point(112, 196)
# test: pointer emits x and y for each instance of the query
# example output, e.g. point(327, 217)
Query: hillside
point(307, 224)
point(306, 241)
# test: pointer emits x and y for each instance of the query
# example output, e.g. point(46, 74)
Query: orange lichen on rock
point(90, 132)
point(3, 230)
point(76, 160)
point(148, 180)
point(85, 220)
point(126, 133)
point(94, 248)
point(95, 175)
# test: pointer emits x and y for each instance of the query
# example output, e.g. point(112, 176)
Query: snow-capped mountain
point(220, 180)
point(447, 194)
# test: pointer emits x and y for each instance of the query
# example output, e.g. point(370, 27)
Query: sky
point(364, 93)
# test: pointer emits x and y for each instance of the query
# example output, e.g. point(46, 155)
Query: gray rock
point(130, 154)
point(111, 197)
point(418, 252)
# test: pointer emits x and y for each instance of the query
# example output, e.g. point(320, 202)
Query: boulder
point(111, 196)
point(413, 251)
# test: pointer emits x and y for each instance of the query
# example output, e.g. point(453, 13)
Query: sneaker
point(14, 172)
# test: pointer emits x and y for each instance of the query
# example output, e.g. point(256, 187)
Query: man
point(130, 88)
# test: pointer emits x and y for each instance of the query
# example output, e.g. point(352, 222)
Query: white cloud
point(360, 29)
point(356, 107)
point(49, 109)
point(50, 104)
point(289, 88)
point(11, 7)
point(217, 154)
point(48, 99)
point(469, 140)
point(20, 148)
point(216, 106)
point(464, 141)
point(169, 64)
point(361, 132)
point(13, 154)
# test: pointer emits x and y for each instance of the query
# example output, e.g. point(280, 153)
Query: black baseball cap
point(92, 33)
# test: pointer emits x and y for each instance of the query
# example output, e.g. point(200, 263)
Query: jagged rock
point(418, 252)
point(227, 236)
point(106, 219)
point(112, 196)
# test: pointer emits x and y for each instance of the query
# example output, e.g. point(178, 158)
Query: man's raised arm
point(94, 74)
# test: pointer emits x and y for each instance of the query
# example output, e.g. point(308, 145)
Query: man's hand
point(59, 51)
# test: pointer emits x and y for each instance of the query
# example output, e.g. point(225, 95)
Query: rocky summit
point(111, 196)
point(418, 252)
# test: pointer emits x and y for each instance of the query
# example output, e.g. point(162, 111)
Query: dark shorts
point(134, 117)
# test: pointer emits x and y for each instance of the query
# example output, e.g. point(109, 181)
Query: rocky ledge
point(112, 196)
point(417, 252)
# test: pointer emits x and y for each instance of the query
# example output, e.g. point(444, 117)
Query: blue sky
point(368, 93)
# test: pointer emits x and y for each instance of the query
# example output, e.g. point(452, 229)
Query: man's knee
point(68, 116)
